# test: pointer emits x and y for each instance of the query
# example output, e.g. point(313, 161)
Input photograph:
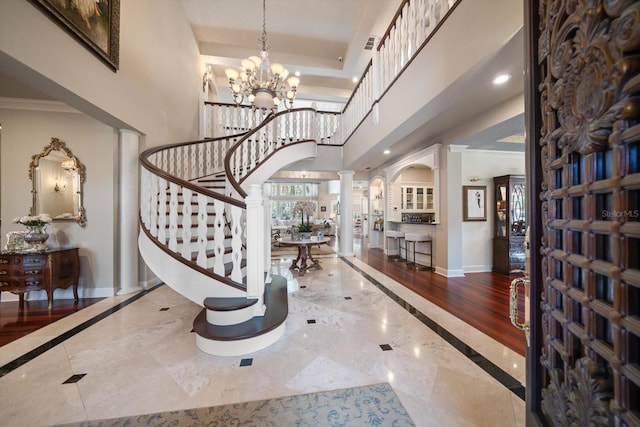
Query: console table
point(304, 254)
point(48, 270)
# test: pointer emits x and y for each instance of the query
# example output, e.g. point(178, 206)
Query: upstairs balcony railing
point(410, 30)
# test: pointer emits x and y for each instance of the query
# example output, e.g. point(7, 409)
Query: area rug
point(373, 405)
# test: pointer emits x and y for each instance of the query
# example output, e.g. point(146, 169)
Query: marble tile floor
point(343, 331)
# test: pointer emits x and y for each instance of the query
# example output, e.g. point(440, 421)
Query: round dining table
point(304, 262)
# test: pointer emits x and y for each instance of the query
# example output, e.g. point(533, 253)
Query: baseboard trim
point(449, 273)
point(59, 294)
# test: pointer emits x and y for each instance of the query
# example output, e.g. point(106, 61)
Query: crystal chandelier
point(263, 84)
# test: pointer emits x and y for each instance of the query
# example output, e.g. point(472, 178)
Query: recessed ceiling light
point(355, 79)
point(502, 78)
point(387, 151)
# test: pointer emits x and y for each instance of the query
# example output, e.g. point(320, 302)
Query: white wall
point(156, 89)
point(477, 248)
point(25, 133)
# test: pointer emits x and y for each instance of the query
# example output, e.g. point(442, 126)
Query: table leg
point(304, 254)
point(316, 263)
point(294, 263)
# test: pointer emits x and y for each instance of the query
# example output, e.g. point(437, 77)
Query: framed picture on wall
point(474, 206)
point(95, 24)
point(323, 208)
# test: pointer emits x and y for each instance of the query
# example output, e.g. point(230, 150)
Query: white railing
point(277, 131)
point(204, 229)
point(414, 23)
point(329, 128)
point(230, 119)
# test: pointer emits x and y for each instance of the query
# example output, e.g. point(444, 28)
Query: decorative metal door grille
point(589, 59)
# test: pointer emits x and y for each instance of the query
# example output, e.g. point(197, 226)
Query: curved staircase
point(200, 201)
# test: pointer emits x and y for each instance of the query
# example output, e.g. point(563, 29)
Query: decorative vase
point(305, 235)
point(36, 237)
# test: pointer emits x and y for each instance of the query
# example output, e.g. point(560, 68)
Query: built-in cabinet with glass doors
point(417, 198)
point(510, 223)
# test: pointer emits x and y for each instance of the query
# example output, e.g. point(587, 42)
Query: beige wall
point(156, 89)
point(25, 133)
point(155, 92)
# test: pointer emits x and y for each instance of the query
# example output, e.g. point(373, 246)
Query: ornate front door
point(583, 122)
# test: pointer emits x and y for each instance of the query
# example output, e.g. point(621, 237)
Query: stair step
point(275, 299)
point(210, 254)
point(228, 304)
point(195, 238)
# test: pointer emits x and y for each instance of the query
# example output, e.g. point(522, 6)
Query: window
point(286, 194)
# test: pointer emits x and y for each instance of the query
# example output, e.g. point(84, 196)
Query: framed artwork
point(94, 23)
point(474, 206)
point(323, 208)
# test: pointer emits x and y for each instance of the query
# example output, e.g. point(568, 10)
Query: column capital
point(346, 172)
point(129, 131)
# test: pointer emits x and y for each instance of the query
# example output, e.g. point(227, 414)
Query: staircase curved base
point(239, 347)
point(249, 336)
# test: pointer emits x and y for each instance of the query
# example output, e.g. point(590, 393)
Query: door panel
point(583, 121)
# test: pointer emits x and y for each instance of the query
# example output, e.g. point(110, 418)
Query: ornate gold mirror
point(57, 177)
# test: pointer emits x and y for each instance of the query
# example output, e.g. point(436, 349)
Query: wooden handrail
point(192, 264)
point(355, 90)
point(227, 159)
point(144, 160)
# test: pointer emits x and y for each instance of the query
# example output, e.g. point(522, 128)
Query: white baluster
point(219, 237)
point(153, 208)
point(237, 228)
point(162, 211)
point(201, 259)
point(186, 223)
point(173, 217)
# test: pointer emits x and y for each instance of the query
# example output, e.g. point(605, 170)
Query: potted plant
point(308, 208)
point(36, 225)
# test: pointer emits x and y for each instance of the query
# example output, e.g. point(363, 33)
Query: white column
point(266, 201)
point(128, 211)
point(255, 245)
point(346, 213)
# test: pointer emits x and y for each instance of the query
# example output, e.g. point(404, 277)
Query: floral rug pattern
point(374, 405)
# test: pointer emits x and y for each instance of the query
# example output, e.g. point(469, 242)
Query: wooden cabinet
point(47, 270)
point(510, 223)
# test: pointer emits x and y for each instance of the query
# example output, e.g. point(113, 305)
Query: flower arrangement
point(304, 207)
point(33, 220)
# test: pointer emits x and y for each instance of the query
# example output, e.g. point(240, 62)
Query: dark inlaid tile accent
point(489, 367)
point(347, 297)
point(164, 309)
point(330, 274)
point(27, 357)
point(246, 362)
point(311, 321)
point(74, 379)
point(303, 286)
point(385, 347)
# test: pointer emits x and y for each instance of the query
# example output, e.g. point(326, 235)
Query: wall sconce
point(474, 178)
point(206, 78)
point(304, 174)
point(59, 188)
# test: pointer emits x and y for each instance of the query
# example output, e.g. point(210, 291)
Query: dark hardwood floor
point(16, 323)
point(479, 299)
